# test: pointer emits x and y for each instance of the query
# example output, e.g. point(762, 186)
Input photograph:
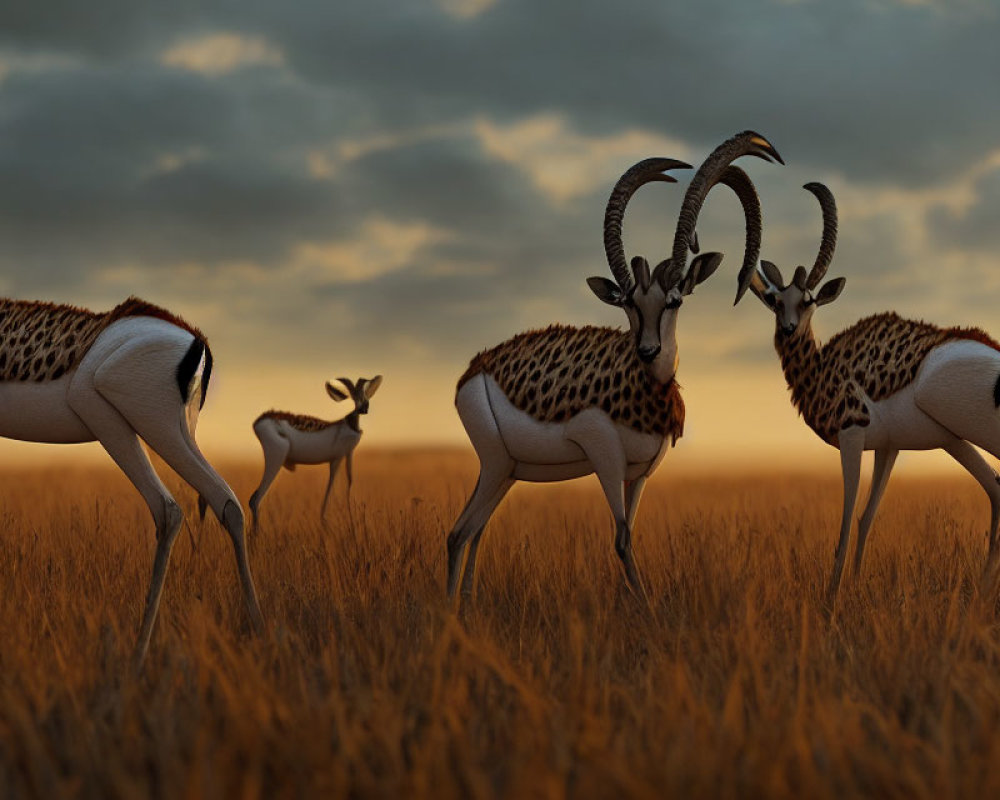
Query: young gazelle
point(884, 384)
point(71, 375)
point(564, 402)
point(290, 439)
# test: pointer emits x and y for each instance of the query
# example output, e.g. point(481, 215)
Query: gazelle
point(563, 402)
point(884, 384)
point(290, 439)
point(72, 375)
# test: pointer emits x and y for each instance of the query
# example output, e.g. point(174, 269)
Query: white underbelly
point(897, 422)
point(549, 451)
point(38, 412)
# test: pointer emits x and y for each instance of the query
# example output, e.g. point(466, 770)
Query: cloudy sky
point(334, 188)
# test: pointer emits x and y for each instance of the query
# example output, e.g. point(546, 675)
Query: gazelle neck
point(800, 355)
point(353, 421)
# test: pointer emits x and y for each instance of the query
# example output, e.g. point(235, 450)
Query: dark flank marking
point(187, 368)
point(301, 421)
point(206, 376)
point(996, 393)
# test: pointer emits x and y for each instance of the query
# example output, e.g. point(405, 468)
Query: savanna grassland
point(556, 683)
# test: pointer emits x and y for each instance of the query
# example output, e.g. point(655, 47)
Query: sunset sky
point(350, 188)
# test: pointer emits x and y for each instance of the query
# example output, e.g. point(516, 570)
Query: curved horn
point(737, 180)
point(829, 241)
point(650, 169)
point(709, 173)
point(348, 383)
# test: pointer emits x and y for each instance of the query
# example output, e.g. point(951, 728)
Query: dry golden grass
point(555, 684)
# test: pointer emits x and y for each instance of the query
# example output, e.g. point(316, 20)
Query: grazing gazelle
point(560, 403)
point(290, 439)
point(884, 384)
point(71, 375)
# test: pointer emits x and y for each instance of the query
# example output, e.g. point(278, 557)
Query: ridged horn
point(829, 241)
point(645, 171)
point(737, 180)
point(748, 143)
point(348, 383)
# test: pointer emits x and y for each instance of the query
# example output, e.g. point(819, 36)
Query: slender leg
point(496, 469)
point(164, 544)
point(122, 444)
point(851, 446)
point(275, 452)
point(477, 524)
point(884, 459)
point(166, 431)
point(633, 494)
point(186, 460)
point(349, 469)
point(334, 466)
point(493, 483)
point(970, 458)
point(603, 449)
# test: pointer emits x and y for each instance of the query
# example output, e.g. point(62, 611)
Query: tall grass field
point(554, 683)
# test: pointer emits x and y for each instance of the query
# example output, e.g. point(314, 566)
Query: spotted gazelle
point(70, 375)
point(884, 384)
point(290, 439)
point(564, 402)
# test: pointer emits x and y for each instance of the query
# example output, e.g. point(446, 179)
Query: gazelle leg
point(851, 447)
point(493, 483)
point(633, 494)
point(275, 452)
point(603, 449)
point(496, 469)
point(349, 470)
point(970, 458)
point(334, 466)
point(183, 456)
point(122, 444)
point(884, 459)
point(476, 523)
point(166, 431)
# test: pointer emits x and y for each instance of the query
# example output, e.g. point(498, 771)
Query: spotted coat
point(874, 358)
point(300, 422)
point(555, 373)
point(43, 341)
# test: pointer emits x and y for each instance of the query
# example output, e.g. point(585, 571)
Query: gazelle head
point(361, 392)
point(793, 305)
point(652, 298)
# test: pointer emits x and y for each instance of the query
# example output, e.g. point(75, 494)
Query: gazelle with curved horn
point(291, 439)
point(884, 384)
point(563, 402)
point(72, 375)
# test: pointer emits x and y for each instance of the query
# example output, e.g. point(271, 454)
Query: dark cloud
point(109, 158)
point(972, 228)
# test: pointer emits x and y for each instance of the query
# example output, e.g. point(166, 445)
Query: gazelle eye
point(673, 303)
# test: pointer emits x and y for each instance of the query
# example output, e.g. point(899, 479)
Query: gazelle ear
point(372, 386)
point(773, 274)
point(335, 392)
point(607, 291)
point(830, 291)
point(701, 269)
